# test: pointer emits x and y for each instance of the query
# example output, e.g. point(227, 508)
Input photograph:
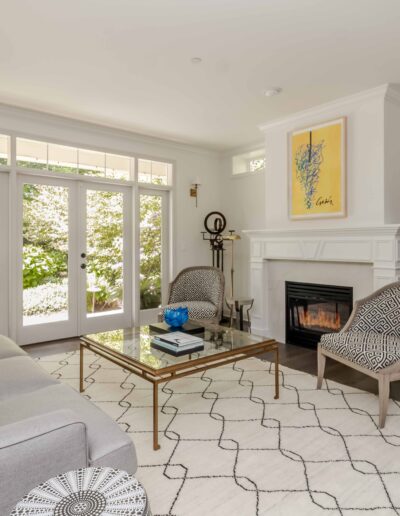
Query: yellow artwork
point(318, 171)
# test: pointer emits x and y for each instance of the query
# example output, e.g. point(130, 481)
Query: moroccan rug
point(229, 449)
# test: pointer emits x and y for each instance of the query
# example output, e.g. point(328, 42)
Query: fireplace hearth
point(314, 309)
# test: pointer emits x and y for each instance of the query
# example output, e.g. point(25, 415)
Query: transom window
point(154, 172)
point(249, 162)
point(62, 158)
point(4, 149)
point(256, 164)
point(34, 154)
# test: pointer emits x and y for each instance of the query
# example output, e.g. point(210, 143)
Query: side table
point(86, 492)
point(238, 304)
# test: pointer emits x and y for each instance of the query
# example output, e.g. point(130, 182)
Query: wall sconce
point(194, 188)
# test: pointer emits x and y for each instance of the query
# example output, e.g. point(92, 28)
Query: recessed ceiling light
point(196, 60)
point(272, 92)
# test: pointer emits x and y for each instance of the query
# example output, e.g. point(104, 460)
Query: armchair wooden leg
point(384, 392)
point(321, 367)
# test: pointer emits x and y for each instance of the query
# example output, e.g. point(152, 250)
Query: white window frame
point(13, 171)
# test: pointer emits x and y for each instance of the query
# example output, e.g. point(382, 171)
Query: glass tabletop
point(135, 343)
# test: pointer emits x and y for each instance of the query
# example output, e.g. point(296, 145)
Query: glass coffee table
point(131, 349)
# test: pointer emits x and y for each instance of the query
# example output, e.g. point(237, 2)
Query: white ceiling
point(126, 63)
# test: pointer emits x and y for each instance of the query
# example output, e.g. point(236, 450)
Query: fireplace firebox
point(313, 309)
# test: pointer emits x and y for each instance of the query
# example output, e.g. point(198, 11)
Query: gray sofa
point(47, 428)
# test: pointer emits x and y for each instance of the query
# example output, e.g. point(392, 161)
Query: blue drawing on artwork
point(309, 158)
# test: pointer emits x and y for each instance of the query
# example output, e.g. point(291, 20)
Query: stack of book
point(177, 343)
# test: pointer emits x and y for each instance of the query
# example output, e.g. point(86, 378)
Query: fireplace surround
point(376, 249)
point(314, 309)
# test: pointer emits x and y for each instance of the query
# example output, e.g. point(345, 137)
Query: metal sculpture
point(215, 224)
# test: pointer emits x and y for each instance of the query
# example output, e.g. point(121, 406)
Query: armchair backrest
point(378, 313)
point(198, 284)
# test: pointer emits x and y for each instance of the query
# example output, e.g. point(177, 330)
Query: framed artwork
point(317, 171)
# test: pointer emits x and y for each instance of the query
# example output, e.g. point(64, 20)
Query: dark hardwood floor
point(295, 357)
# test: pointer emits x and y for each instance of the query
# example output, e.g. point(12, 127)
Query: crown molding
point(321, 109)
point(33, 115)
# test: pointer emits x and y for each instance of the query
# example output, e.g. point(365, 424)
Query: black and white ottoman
point(86, 492)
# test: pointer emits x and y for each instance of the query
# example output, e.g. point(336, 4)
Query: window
point(249, 162)
point(91, 163)
point(118, 167)
point(31, 153)
point(71, 160)
point(150, 228)
point(4, 149)
point(62, 159)
point(256, 164)
point(154, 172)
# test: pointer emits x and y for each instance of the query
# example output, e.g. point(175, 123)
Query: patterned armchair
point(201, 289)
point(370, 342)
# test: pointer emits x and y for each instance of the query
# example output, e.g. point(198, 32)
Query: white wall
point(189, 162)
point(392, 159)
point(243, 203)
point(365, 162)
point(373, 171)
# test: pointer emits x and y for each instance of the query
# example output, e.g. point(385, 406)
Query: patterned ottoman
point(86, 492)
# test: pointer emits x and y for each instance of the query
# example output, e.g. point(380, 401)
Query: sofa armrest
point(36, 449)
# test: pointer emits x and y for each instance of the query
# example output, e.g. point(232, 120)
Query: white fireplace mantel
point(379, 246)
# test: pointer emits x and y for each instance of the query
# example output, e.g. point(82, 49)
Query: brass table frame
point(173, 372)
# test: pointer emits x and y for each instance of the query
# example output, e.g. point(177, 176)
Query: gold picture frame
point(317, 171)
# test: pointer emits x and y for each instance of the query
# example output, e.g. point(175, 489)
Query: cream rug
point(229, 449)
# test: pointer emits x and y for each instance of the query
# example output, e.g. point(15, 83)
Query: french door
point(74, 258)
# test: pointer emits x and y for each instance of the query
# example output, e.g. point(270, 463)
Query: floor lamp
point(232, 238)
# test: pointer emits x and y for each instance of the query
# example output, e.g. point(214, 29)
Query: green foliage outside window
point(41, 265)
point(45, 249)
point(150, 251)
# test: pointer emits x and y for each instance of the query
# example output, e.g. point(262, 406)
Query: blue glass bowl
point(175, 317)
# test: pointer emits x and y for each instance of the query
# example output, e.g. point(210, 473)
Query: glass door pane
point(45, 253)
point(153, 259)
point(105, 249)
point(150, 250)
point(105, 257)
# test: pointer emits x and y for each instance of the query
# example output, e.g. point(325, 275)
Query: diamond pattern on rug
point(229, 449)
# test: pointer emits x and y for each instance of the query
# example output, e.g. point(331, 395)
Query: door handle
point(83, 255)
point(83, 265)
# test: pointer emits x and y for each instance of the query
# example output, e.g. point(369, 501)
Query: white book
point(178, 338)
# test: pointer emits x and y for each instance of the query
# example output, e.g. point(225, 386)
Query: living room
point(194, 198)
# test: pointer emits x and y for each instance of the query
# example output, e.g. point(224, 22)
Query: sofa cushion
point(197, 309)
point(108, 444)
point(20, 375)
point(8, 348)
point(374, 351)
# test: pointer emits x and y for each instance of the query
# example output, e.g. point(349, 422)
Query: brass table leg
point(81, 389)
point(156, 446)
point(276, 373)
